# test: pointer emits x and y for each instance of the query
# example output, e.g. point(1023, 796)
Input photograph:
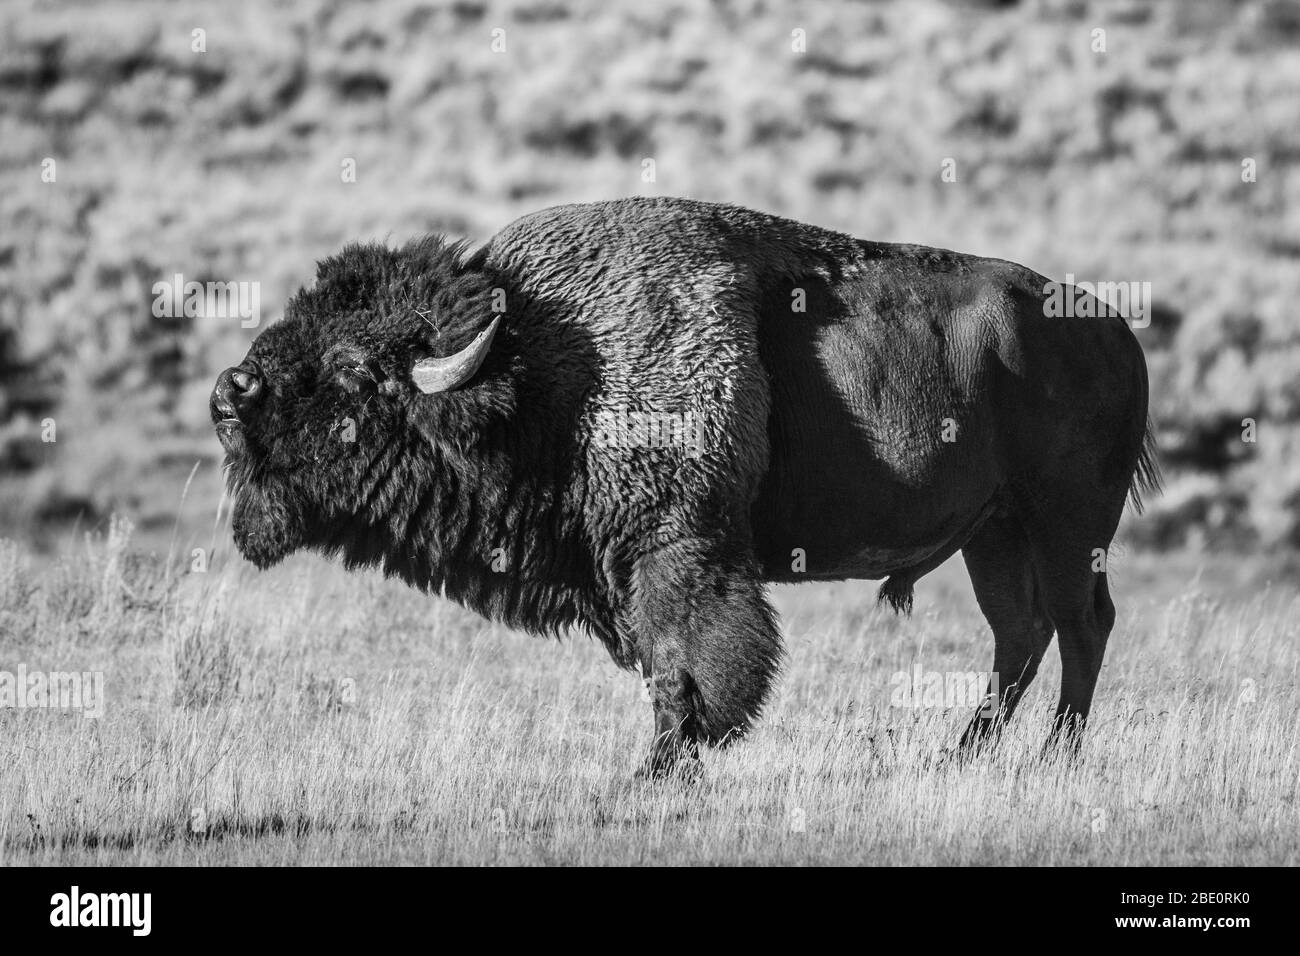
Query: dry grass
point(310, 716)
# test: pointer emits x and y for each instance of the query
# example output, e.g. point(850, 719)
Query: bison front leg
point(677, 706)
point(708, 644)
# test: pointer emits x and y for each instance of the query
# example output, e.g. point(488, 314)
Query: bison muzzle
point(632, 415)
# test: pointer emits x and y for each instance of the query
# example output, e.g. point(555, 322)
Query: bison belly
point(881, 439)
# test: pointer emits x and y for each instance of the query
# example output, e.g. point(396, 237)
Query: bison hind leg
point(1001, 567)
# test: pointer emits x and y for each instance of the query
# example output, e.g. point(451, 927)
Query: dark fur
point(821, 433)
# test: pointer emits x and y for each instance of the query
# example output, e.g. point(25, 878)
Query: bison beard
point(445, 416)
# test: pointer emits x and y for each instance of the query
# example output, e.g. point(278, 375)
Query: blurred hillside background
point(226, 164)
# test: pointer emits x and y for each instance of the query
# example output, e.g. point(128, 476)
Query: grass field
point(307, 715)
point(311, 716)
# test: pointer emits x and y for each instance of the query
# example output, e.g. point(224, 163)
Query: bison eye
point(356, 378)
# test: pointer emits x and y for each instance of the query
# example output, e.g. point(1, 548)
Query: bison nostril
point(237, 389)
point(244, 381)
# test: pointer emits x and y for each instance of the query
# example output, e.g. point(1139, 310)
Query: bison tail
point(1146, 478)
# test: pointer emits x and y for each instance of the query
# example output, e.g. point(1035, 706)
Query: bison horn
point(443, 374)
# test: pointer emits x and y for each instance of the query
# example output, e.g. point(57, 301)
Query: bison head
point(376, 376)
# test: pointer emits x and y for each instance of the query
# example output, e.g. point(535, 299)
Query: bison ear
point(452, 371)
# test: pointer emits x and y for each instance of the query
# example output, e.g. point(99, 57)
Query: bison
point(631, 415)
